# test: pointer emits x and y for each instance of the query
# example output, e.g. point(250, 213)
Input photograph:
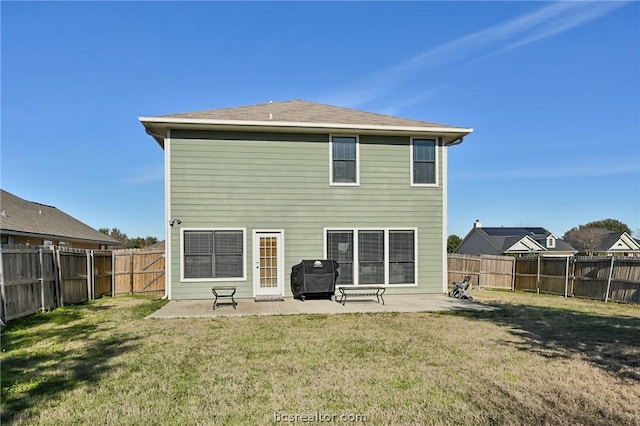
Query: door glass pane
point(268, 262)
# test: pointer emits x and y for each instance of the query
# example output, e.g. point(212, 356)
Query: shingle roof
point(608, 239)
point(496, 240)
point(300, 111)
point(22, 216)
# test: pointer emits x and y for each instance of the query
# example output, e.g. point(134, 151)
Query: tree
point(115, 233)
point(585, 238)
point(137, 242)
point(612, 225)
point(453, 242)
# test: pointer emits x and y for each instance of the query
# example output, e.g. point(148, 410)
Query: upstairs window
point(344, 160)
point(423, 162)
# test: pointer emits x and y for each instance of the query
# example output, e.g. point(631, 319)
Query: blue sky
point(551, 89)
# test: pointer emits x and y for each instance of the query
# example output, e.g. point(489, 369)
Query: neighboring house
point(617, 244)
point(252, 191)
point(24, 222)
point(513, 241)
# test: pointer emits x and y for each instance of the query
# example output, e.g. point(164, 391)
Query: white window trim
point(331, 182)
point(356, 254)
point(437, 163)
point(281, 260)
point(551, 241)
point(244, 255)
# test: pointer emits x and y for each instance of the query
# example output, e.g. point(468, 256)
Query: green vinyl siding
point(281, 181)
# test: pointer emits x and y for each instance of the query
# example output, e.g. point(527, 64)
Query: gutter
point(159, 138)
point(457, 141)
point(154, 125)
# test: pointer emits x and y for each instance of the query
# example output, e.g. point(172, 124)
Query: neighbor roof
point(298, 115)
point(497, 240)
point(22, 217)
point(607, 241)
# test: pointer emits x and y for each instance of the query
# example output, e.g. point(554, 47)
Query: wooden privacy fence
point(485, 271)
point(600, 278)
point(35, 279)
point(614, 278)
point(138, 272)
point(29, 282)
point(543, 274)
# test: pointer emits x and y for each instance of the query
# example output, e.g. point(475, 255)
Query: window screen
point(340, 249)
point(424, 161)
point(401, 257)
point(371, 257)
point(344, 159)
point(213, 254)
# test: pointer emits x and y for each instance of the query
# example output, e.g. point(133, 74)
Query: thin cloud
point(544, 23)
point(147, 175)
point(400, 104)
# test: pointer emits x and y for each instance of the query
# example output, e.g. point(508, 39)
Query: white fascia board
point(628, 241)
point(193, 123)
point(528, 242)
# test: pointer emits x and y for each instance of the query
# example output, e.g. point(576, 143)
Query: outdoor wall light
point(174, 221)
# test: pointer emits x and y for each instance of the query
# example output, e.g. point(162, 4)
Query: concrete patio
point(290, 306)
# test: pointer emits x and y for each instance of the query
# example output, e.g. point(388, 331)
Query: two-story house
point(252, 191)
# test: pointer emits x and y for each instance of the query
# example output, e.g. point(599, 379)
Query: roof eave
point(157, 126)
point(55, 236)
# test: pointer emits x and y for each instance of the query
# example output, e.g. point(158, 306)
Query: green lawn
point(539, 360)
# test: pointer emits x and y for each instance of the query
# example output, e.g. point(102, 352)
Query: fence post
point(131, 271)
point(60, 281)
point(606, 296)
point(113, 274)
point(566, 278)
point(538, 277)
point(573, 275)
point(41, 278)
point(513, 274)
point(3, 293)
point(89, 276)
point(93, 276)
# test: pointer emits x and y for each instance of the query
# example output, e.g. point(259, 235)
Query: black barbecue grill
point(314, 279)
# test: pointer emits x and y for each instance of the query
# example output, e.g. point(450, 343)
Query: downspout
point(165, 141)
point(167, 209)
point(445, 215)
point(445, 219)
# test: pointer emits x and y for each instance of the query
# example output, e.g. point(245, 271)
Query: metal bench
point(224, 291)
point(361, 290)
